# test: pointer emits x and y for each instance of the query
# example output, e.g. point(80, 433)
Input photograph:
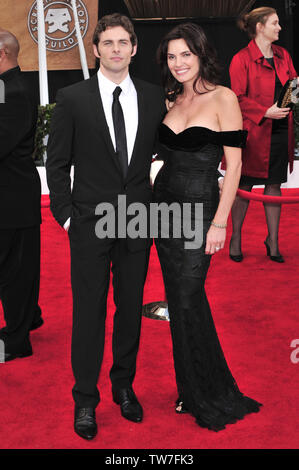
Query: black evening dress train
point(205, 384)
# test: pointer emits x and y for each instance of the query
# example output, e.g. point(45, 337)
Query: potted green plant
point(42, 131)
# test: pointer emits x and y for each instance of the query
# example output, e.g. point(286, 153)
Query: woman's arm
point(238, 72)
point(252, 109)
point(230, 119)
point(279, 113)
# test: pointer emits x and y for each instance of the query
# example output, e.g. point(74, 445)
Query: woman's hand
point(277, 113)
point(215, 240)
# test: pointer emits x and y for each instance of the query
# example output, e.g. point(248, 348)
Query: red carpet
point(255, 306)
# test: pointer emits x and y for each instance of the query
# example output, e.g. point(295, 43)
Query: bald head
point(10, 43)
point(9, 50)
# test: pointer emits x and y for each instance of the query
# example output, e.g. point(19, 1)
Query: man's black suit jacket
point(20, 188)
point(80, 136)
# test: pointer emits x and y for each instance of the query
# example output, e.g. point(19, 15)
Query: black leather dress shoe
point(36, 324)
point(9, 356)
point(85, 422)
point(129, 405)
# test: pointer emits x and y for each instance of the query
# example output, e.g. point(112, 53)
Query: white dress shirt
point(129, 104)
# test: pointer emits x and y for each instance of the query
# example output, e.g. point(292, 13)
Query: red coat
point(253, 81)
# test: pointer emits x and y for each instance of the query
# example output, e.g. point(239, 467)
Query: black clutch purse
point(289, 95)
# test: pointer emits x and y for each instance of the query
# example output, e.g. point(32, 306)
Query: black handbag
point(289, 95)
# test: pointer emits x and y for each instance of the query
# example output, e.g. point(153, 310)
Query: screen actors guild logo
point(59, 24)
point(58, 18)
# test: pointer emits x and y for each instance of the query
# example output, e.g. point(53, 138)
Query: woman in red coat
point(258, 73)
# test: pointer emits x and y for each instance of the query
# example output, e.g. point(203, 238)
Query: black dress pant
point(91, 260)
point(19, 283)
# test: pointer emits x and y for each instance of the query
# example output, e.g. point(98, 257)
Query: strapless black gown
point(204, 381)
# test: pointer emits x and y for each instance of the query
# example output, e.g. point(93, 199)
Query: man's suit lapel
point(98, 117)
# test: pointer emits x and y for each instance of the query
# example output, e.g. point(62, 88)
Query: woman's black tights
point(272, 212)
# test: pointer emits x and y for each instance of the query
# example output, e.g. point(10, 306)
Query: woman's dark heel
point(236, 258)
point(278, 258)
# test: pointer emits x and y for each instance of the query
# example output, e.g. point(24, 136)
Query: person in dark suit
point(20, 217)
point(106, 128)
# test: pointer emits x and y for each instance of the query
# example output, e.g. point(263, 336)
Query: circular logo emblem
point(59, 24)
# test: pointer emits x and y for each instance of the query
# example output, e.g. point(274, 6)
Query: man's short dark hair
point(110, 21)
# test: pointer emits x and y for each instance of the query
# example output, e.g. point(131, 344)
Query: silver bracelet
point(218, 225)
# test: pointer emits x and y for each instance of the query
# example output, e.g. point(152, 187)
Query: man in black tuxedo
point(106, 127)
point(20, 216)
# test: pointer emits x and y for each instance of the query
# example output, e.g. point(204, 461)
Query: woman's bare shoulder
point(228, 109)
point(225, 95)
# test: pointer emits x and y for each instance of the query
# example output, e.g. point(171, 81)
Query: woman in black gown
point(203, 119)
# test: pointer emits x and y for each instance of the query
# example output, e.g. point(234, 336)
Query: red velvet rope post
point(268, 199)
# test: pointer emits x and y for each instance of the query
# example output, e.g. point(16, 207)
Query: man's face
point(115, 50)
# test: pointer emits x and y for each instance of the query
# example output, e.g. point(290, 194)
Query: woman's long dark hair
point(209, 69)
